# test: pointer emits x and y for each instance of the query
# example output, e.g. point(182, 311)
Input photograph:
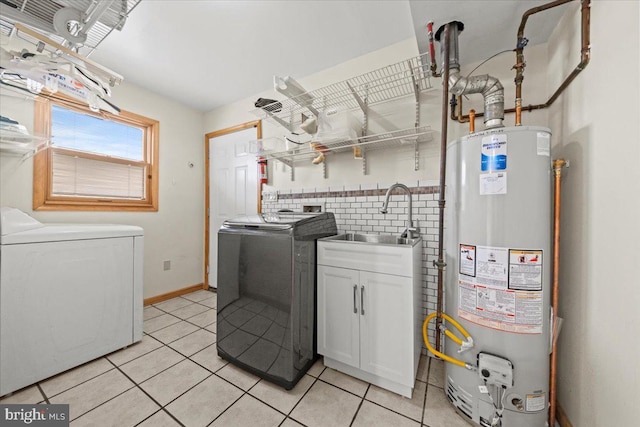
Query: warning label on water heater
point(494, 152)
point(506, 291)
point(525, 270)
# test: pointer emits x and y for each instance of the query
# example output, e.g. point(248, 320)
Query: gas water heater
point(498, 255)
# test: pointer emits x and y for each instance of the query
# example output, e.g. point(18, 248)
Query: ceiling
point(206, 54)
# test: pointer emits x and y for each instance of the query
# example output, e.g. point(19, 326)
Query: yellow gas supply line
point(465, 345)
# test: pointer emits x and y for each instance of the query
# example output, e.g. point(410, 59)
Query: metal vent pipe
point(490, 87)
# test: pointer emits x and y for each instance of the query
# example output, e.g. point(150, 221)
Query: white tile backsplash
point(360, 213)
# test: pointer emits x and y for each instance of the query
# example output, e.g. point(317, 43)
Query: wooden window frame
point(43, 198)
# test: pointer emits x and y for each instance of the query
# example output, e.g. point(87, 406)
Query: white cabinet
point(338, 314)
point(368, 320)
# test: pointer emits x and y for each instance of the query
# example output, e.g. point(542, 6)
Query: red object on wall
point(262, 170)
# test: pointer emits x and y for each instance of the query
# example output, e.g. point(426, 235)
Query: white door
point(386, 326)
point(338, 312)
point(233, 186)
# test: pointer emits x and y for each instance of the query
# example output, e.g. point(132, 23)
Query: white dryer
point(68, 294)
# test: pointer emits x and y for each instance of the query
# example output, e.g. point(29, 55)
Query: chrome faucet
point(410, 231)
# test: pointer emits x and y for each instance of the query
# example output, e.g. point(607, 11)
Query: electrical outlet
point(270, 196)
point(166, 265)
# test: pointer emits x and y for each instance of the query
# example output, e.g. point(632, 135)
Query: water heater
point(498, 255)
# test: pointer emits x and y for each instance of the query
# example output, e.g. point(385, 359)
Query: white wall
point(176, 231)
point(596, 126)
point(396, 164)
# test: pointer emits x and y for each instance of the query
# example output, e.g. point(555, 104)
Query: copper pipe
point(557, 169)
point(472, 121)
point(457, 115)
point(518, 111)
point(585, 56)
point(443, 173)
point(521, 42)
point(458, 102)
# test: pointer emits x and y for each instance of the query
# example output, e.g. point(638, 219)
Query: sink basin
point(375, 239)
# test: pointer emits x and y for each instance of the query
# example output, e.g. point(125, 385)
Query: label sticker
point(493, 183)
point(487, 298)
point(525, 270)
point(543, 144)
point(493, 155)
point(492, 266)
point(468, 260)
point(535, 402)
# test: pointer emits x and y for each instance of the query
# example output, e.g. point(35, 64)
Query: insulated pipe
point(490, 88)
point(440, 264)
point(557, 170)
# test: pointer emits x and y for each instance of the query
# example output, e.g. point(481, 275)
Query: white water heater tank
point(498, 255)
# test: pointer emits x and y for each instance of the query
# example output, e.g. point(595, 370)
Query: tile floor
point(174, 377)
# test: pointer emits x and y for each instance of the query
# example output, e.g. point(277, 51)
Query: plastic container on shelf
point(337, 124)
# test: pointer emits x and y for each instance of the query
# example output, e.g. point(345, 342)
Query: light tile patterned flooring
point(174, 377)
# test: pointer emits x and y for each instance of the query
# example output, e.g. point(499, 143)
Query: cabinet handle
point(362, 300)
point(355, 289)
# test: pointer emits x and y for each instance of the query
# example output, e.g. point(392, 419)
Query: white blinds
point(84, 177)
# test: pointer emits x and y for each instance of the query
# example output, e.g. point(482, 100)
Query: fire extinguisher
point(262, 170)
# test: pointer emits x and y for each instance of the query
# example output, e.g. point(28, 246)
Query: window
point(95, 161)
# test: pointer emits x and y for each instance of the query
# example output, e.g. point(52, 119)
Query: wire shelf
point(398, 80)
point(15, 143)
point(39, 14)
point(371, 142)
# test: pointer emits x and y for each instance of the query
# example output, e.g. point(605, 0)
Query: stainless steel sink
point(375, 239)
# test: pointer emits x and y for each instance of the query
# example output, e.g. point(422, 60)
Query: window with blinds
point(95, 161)
point(74, 175)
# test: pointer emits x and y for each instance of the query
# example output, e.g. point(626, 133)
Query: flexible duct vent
point(490, 87)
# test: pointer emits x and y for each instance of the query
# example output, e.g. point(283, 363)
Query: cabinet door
point(338, 312)
point(386, 328)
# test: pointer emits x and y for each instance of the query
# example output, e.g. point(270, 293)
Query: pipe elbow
point(457, 83)
point(492, 85)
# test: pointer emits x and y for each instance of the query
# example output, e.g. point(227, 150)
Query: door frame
point(254, 124)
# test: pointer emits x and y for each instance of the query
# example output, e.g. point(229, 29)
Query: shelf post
point(416, 91)
point(364, 161)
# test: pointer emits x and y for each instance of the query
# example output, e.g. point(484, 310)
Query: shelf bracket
point(292, 173)
point(364, 106)
point(416, 166)
point(278, 120)
point(324, 169)
point(361, 103)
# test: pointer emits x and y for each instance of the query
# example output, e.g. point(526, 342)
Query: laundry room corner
point(174, 232)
